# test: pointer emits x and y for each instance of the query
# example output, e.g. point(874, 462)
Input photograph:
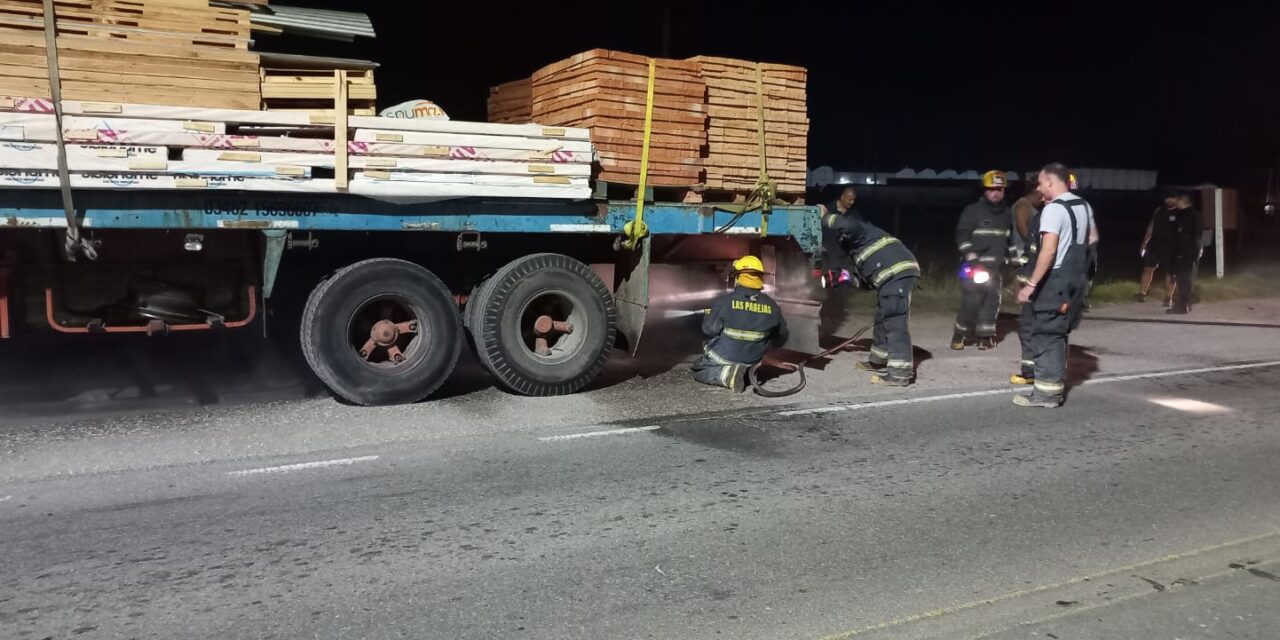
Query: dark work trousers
point(979, 306)
point(891, 340)
point(1050, 331)
point(1026, 323)
point(715, 370)
point(1184, 276)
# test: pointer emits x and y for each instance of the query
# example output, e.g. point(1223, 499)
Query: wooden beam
point(340, 175)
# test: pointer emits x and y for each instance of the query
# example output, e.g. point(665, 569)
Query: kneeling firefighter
point(883, 263)
point(741, 327)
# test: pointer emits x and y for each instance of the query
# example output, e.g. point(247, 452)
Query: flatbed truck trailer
point(382, 297)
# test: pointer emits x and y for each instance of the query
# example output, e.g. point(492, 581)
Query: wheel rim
point(553, 326)
point(387, 333)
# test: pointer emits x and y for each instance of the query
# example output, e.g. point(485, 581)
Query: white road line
point(592, 434)
point(304, 465)
point(1184, 372)
point(921, 400)
point(1009, 390)
point(894, 403)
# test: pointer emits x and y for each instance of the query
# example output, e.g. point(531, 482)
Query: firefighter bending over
point(883, 263)
point(741, 327)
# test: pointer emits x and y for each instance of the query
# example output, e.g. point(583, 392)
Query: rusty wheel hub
point(546, 328)
point(384, 335)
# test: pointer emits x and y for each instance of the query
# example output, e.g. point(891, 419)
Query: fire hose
point(791, 367)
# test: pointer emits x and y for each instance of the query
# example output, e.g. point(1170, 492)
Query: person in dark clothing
point(835, 261)
point(741, 326)
point(1158, 250)
point(1026, 223)
point(1187, 232)
point(836, 270)
point(1057, 284)
point(883, 263)
point(983, 237)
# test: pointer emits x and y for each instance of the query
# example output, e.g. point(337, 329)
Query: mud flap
point(631, 292)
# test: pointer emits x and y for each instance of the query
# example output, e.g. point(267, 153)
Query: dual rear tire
point(387, 331)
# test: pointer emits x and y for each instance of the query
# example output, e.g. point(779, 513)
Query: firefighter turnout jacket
point(743, 325)
point(878, 257)
point(985, 229)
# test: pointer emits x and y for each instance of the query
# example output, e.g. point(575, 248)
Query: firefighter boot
point(986, 343)
point(867, 365)
point(1037, 401)
point(957, 342)
point(884, 379)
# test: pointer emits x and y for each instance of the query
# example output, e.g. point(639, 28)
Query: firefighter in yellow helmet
point(984, 237)
point(740, 327)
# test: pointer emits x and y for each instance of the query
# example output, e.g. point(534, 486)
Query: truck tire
point(381, 331)
point(543, 325)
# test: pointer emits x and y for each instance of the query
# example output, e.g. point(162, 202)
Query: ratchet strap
point(74, 242)
point(765, 192)
point(636, 229)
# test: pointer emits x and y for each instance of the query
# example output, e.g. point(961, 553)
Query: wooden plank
point(286, 118)
point(622, 177)
point(662, 118)
point(314, 92)
point(469, 140)
point(72, 27)
point(133, 64)
point(175, 97)
point(209, 26)
point(106, 45)
point(623, 101)
point(669, 156)
point(445, 165)
point(638, 73)
point(312, 76)
point(691, 134)
point(615, 58)
point(340, 129)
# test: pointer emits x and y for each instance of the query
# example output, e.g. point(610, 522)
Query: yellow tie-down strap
point(636, 229)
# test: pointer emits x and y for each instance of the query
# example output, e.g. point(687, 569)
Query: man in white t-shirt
point(1057, 286)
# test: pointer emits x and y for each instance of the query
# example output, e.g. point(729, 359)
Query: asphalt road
point(1147, 507)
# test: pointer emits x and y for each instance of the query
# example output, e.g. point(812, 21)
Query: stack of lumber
point(139, 146)
point(312, 91)
point(732, 160)
point(705, 117)
point(605, 92)
point(172, 52)
point(512, 102)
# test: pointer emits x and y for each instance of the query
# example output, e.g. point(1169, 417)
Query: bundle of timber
point(512, 102)
point(734, 91)
point(706, 124)
point(138, 146)
point(606, 92)
point(173, 52)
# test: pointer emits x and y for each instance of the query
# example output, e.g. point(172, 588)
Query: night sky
point(1193, 94)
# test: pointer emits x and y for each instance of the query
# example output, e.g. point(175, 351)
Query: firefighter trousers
point(1027, 323)
point(891, 339)
point(718, 371)
point(1057, 311)
point(979, 306)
